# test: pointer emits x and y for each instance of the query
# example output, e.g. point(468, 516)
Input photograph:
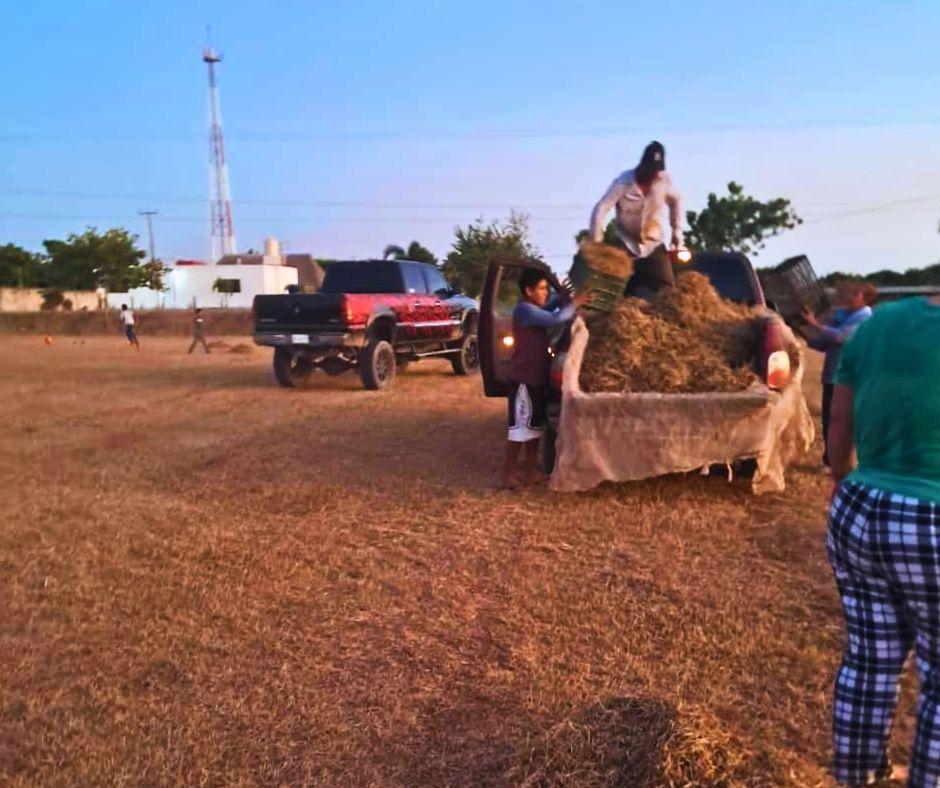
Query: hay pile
point(634, 741)
point(607, 259)
point(685, 340)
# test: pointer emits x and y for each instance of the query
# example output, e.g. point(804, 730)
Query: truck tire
point(467, 360)
point(377, 365)
point(291, 371)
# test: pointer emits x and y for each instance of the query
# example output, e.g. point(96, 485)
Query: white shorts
point(526, 413)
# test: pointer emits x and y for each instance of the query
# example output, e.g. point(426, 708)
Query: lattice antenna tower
point(222, 234)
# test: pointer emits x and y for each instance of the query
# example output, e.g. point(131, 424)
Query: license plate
point(300, 339)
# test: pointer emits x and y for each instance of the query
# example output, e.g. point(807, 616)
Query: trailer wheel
point(467, 360)
point(377, 365)
point(291, 371)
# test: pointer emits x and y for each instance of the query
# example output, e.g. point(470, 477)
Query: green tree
point(610, 234)
point(93, 259)
point(20, 268)
point(477, 243)
point(737, 222)
point(415, 251)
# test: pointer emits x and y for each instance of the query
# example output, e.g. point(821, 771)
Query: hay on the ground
point(688, 339)
point(633, 741)
point(242, 348)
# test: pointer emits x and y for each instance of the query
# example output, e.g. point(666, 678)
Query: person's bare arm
point(841, 422)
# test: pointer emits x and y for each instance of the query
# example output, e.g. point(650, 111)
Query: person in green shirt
point(884, 536)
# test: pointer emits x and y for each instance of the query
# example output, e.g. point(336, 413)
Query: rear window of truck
point(730, 276)
point(362, 277)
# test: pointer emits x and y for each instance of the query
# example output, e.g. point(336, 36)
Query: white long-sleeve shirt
point(639, 216)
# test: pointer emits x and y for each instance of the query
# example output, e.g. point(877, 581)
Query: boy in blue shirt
point(532, 319)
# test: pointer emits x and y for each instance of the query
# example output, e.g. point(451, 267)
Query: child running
point(532, 319)
point(127, 318)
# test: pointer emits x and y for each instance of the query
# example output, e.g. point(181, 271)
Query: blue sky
point(349, 126)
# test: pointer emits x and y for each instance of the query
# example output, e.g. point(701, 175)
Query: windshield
point(729, 275)
point(362, 277)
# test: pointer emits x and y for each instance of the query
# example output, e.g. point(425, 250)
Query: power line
point(304, 203)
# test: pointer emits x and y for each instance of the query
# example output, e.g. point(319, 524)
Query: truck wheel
point(289, 370)
point(467, 360)
point(377, 365)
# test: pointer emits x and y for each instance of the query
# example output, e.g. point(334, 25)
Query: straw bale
point(687, 339)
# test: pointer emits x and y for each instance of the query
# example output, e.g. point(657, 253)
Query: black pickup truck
point(372, 315)
point(732, 275)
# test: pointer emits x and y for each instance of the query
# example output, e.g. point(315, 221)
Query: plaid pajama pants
point(885, 552)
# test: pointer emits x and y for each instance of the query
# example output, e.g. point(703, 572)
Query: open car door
point(499, 297)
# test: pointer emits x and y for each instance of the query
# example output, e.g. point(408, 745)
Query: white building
point(232, 282)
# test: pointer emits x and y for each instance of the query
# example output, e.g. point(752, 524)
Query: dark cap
point(654, 157)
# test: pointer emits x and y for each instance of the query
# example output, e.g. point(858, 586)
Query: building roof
point(241, 259)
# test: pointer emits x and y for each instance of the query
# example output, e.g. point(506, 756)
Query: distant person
point(884, 536)
point(854, 300)
point(532, 319)
point(127, 318)
point(639, 196)
point(199, 332)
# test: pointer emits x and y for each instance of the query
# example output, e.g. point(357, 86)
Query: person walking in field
point(127, 318)
point(199, 334)
point(639, 196)
point(828, 336)
point(884, 536)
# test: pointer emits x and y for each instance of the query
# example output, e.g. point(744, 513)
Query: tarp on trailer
point(624, 437)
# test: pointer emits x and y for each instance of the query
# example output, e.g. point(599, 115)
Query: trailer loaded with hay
point(697, 376)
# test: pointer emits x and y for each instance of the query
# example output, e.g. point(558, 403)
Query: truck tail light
point(347, 312)
point(778, 369)
point(557, 376)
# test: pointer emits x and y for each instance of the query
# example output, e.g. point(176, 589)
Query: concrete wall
point(191, 285)
point(29, 299)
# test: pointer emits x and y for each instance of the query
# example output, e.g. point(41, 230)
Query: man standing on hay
point(639, 195)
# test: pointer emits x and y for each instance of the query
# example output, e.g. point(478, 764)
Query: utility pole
point(150, 215)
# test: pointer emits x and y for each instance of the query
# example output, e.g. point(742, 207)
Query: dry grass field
point(205, 579)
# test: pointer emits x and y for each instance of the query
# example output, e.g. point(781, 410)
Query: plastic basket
point(606, 286)
point(793, 287)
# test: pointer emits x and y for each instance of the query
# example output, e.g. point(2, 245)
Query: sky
point(350, 126)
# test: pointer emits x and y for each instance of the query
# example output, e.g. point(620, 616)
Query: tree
point(912, 277)
point(477, 243)
point(415, 251)
point(738, 222)
point(610, 234)
point(90, 260)
point(20, 268)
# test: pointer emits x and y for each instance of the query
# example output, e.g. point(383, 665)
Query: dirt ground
point(205, 579)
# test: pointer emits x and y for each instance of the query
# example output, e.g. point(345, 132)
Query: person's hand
point(809, 317)
point(676, 243)
point(581, 298)
point(566, 287)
